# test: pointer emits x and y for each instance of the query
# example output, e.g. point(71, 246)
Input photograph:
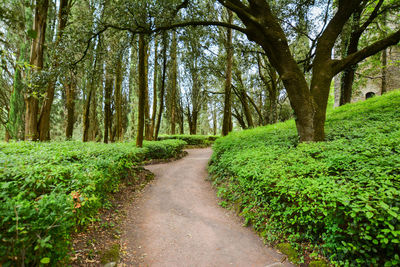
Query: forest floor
point(177, 221)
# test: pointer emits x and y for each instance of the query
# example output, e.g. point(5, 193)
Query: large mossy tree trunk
point(44, 119)
point(36, 61)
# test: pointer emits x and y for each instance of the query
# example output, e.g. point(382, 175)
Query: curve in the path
point(178, 222)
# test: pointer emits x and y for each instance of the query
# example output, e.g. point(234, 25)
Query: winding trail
point(177, 222)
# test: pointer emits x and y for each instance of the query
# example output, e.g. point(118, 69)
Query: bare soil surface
point(177, 222)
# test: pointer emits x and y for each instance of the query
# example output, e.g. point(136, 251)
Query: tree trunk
point(44, 120)
point(243, 100)
point(36, 60)
point(147, 122)
point(107, 103)
point(142, 90)
point(7, 136)
point(227, 119)
point(162, 89)
point(174, 82)
point(239, 118)
point(181, 118)
point(70, 89)
point(214, 120)
point(193, 124)
point(15, 123)
point(155, 80)
point(94, 123)
point(384, 72)
point(86, 115)
point(118, 100)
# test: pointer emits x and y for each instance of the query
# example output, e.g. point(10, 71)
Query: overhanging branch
point(339, 65)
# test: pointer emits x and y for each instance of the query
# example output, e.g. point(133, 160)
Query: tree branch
point(339, 65)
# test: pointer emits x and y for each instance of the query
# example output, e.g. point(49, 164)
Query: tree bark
point(155, 80)
point(86, 114)
point(44, 119)
point(70, 89)
point(142, 90)
point(227, 117)
point(118, 100)
point(214, 119)
point(147, 122)
point(242, 95)
point(36, 60)
point(162, 89)
point(173, 83)
point(107, 103)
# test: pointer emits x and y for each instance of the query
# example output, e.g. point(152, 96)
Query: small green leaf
point(45, 260)
point(369, 214)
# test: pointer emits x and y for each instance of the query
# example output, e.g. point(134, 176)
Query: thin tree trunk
point(86, 114)
point(384, 72)
point(142, 90)
point(94, 123)
point(155, 80)
point(227, 119)
point(118, 100)
point(107, 103)
point(214, 119)
point(162, 89)
point(147, 122)
point(36, 60)
point(174, 82)
point(70, 96)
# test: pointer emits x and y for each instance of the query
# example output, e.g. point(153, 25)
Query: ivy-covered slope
point(48, 189)
point(339, 198)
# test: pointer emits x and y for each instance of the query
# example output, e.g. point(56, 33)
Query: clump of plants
point(339, 199)
point(192, 140)
point(50, 189)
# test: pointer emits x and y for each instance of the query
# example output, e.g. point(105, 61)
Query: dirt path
point(177, 222)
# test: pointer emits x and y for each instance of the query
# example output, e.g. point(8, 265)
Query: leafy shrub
point(192, 139)
point(48, 189)
point(341, 197)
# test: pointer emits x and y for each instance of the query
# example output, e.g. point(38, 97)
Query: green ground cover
point(50, 189)
point(192, 140)
point(339, 198)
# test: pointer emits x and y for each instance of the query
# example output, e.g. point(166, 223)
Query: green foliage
point(48, 189)
point(341, 196)
point(191, 139)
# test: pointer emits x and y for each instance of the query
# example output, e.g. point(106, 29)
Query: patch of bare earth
point(99, 242)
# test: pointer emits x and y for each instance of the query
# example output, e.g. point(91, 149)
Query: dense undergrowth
point(50, 189)
point(192, 140)
point(338, 198)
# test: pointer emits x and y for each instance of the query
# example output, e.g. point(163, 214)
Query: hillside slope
point(338, 198)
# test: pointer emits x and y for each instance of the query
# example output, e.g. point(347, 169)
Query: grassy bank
point(50, 189)
point(339, 198)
